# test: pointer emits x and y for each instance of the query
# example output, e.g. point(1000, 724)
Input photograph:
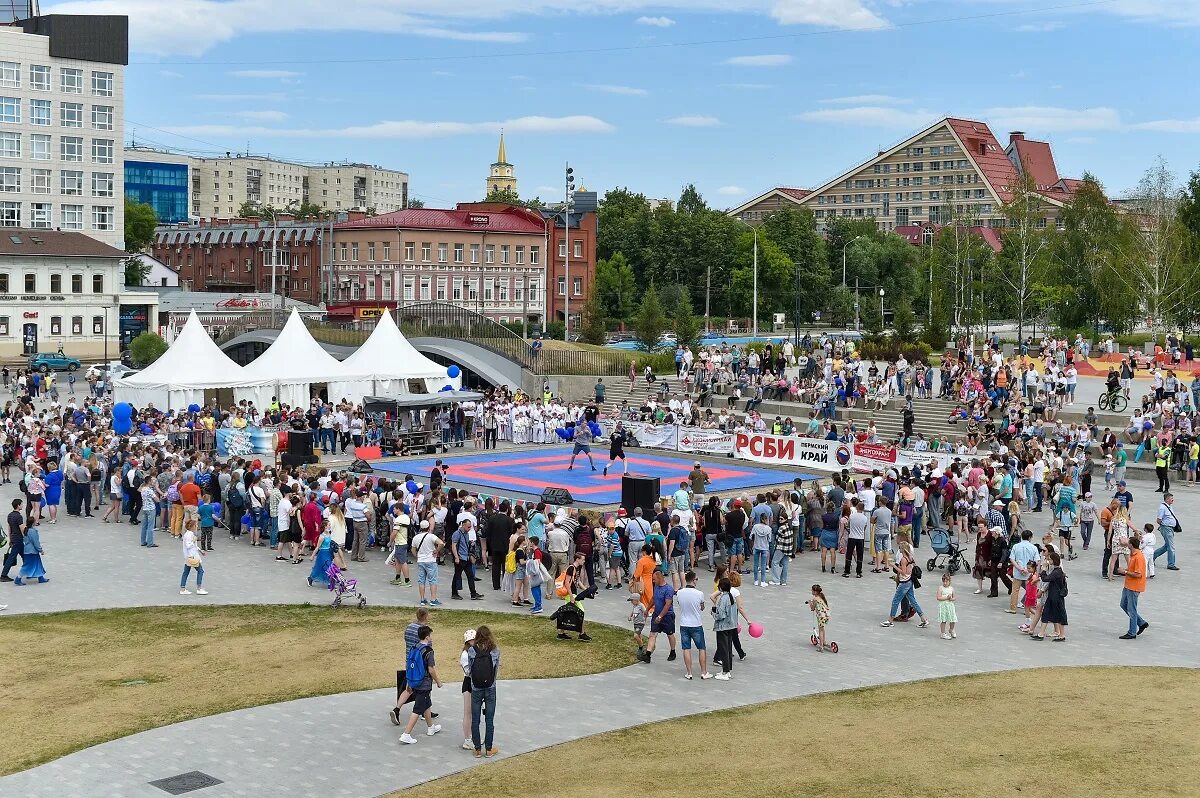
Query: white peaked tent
point(179, 378)
point(390, 361)
point(289, 368)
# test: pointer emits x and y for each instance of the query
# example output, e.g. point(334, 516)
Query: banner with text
point(826, 455)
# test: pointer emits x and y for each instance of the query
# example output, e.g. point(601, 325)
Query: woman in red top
point(310, 519)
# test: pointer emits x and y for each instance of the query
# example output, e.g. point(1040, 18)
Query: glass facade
point(162, 186)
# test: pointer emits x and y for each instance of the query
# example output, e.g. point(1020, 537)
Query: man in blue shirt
point(663, 619)
point(1021, 555)
point(1168, 525)
point(460, 547)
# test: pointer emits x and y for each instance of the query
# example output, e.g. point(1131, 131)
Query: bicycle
point(1114, 401)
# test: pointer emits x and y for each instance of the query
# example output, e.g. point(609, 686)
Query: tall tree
point(690, 201)
point(140, 221)
point(794, 231)
point(624, 226)
point(1026, 250)
point(651, 321)
point(776, 279)
point(616, 286)
point(413, 202)
point(593, 328)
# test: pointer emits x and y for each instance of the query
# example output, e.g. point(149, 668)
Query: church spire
point(501, 156)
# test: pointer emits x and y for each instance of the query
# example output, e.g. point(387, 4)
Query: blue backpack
point(415, 669)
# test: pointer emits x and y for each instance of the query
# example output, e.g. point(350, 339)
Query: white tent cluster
point(287, 371)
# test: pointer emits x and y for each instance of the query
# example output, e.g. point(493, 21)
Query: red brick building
point(237, 255)
point(571, 290)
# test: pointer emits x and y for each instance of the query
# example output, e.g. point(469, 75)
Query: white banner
point(828, 455)
point(704, 441)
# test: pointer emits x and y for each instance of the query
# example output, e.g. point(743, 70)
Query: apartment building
point(488, 258)
point(62, 113)
point(955, 169)
point(343, 187)
point(160, 179)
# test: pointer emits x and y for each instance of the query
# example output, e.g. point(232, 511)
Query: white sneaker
point(201, 592)
point(772, 584)
point(183, 591)
point(757, 583)
point(434, 729)
point(468, 745)
point(408, 739)
point(945, 635)
point(705, 675)
point(954, 635)
point(687, 676)
point(724, 677)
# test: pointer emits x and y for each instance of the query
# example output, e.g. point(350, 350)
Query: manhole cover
point(186, 782)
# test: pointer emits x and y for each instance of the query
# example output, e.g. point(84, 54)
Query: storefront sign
point(31, 314)
point(369, 313)
point(241, 302)
point(479, 218)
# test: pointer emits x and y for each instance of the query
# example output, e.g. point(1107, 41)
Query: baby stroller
point(342, 587)
point(947, 553)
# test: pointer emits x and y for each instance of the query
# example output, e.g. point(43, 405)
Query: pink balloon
point(756, 630)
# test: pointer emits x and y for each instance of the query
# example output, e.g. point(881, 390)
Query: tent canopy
point(295, 357)
point(387, 355)
point(192, 362)
point(414, 400)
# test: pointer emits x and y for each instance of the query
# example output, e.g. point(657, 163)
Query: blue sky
point(734, 95)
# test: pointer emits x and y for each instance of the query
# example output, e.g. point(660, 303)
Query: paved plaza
point(270, 751)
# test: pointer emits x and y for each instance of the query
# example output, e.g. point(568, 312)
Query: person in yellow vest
point(274, 406)
point(1162, 459)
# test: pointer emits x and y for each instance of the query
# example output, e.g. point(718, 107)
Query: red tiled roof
point(508, 221)
point(915, 234)
point(981, 146)
point(795, 193)
point(1038, 162)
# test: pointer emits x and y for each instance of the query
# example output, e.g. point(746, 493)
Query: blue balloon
point(216, 508)
point(411, 486)
point(122, 426)
point(565, 434)
point(193, 408)
point(122, 410)
point(446, 388)
point(146, 429)
point(247, 519)
point(595, 428)
point(453, 372)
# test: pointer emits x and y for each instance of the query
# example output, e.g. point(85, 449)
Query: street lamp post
point(570, 195)
point(881, 324)
point(755, 230)
point(848, 243)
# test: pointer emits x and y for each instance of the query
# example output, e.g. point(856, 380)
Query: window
point(387, 288)
point(102, 84)
point(504, 291)
point(426, 249)
point(70, 182)
point(354, 252)
point(97, 325)
point(562, 249)
point(370, 289)
point(387, 252)
point(39, 147)
point(408, 288)
point(77, 325)
point(562, 286)
point(76, 283)
point(39, 77)
point(520, 253)
point(70, 114)
point(441, 289)
point(10, 214)
point(97, 283)
point(534, 255)
point(489, 253)
point(10, 178)
point(10, 109)
point(72, 80)
point(474, 253)
point(457, 294)
point(56, 325)
point(424, 289)
point(56, 283)
point(30, 283)
point(410, 252)
point(1041, 223)
point(458, 253)
point(577, 286)
point(72, 217)
point(504, 253)
point(4, 322)
point(102, 217)
point(10, 74)
point(370, 252)
point(102, 184)
point(41, 215)
point(102, 117)
point(443, 251)
point(102, 150)
point(70, 148)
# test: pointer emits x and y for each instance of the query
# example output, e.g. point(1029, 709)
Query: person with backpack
point(420, 669)
point(482, 667)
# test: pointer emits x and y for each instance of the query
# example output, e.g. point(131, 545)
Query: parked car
point(46, 362)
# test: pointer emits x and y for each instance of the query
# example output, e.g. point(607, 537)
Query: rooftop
point(16, 241)
point(507, 220)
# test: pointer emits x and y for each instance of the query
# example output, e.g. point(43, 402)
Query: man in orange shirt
point(189, 494)
point(1135, 585)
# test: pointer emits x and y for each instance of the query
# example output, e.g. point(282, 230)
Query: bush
point(554, 330)
point(146, 348)
point(875, 347)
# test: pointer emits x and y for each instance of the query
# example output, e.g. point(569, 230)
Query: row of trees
point(1105, 265)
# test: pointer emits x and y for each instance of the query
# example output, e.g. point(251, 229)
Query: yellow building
point(502, 178)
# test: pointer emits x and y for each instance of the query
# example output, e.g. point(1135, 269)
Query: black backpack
point(483, 671)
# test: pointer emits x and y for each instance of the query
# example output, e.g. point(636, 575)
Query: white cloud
point(1171, 125)
point(1020, 73)
point(731, 191)
point(168, 73)
point(746, 86)
point(408, 129)
point(1081, 140)
point(848, 14)
point(867, 99)
point(442, 73)
point(608, 88)
point(1171, 12)
point(548, 190)
point(267, 97)
point(1049, 119)
point(694, 121)
point(1040, 27)
point(658, 22)
point(870, 116)
point(261, 116)
point(265, 73)
point(759, 60)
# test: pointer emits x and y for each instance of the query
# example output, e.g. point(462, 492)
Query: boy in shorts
point(422, 689)
point(678, 544)
point(662, 621)
point(637, 616)
point(399, 544)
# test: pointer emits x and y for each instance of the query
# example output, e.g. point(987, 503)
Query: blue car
point(46, 362)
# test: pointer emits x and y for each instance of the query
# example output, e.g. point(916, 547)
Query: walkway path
point(344, 745)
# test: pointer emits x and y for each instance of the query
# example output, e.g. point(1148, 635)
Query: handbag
point(193, 562)
point(1178, 526)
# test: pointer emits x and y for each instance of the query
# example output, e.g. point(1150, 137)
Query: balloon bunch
point(193, 408)
point(122, 413)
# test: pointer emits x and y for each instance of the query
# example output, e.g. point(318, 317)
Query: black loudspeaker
point(299, 443)
point(640, 492)
point(289, 459)
point(360, 466)
point(557, 496)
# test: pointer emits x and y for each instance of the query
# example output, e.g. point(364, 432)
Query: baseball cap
point(997, 503)
point(425, 524)
point(697, 464)
point(1087, 495)
point(622, 513)
point(468, 635)
point(1121, 482)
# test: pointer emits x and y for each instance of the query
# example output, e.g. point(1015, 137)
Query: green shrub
point(878, 347)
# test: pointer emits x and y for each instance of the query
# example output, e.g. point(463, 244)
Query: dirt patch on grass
point(75, 679)
point(1069, 732)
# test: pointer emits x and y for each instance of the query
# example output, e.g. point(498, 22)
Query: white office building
point(61, 124)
